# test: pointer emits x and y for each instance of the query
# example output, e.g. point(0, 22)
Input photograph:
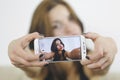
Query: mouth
point(61, 48)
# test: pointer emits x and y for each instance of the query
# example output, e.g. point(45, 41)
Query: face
point(62, 22)
point(59, 45)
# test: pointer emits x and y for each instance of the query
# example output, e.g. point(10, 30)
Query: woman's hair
point(55, 50)
point(40, 22)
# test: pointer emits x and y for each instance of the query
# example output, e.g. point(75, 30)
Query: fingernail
point(40, 57)
point(40, 60)
point(45, 65)
point(87, 57)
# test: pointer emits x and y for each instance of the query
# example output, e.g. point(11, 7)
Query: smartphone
point(57, 49)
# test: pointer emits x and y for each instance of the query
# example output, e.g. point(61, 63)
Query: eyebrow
point(56, 21)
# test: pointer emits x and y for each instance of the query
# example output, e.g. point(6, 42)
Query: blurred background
point(101, 16)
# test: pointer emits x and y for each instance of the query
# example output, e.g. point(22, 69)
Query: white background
point(101, 16)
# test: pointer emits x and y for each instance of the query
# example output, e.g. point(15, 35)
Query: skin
point(62, 25)
point(59, 45)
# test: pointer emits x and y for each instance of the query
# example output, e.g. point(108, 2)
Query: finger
point(23, 63)
point(34, 64)
point(105, 65)
point(98, 49)
point(91, 35)
point(19, 61)
point(97, 54)
point(97, 64)
point(26, 56)
point(31, 36)
point(85, 62)
point(38, 63)
point(19, 65)
point(28, 38)
point(96, 69)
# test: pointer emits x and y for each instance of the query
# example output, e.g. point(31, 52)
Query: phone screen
point(55, 49)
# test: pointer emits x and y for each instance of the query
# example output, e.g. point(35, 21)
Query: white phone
point(57, 49)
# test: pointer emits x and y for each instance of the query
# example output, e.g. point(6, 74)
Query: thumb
point(28, 38)
point(91, 35)
point(98, 49)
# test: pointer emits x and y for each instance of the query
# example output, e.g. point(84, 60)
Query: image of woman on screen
point(58, 52)
point(58, 48)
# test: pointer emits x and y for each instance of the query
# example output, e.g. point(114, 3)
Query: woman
point(58, 49)
point(56, 18)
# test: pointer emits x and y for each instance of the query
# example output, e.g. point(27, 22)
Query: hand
point(46, 56)
point(42, 57)
point(20, 56)
point(103, 54)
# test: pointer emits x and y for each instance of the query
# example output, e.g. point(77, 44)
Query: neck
point(59, 52)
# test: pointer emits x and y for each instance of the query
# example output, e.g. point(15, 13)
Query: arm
point(74, 54)
point(22, 57)
point(103, 55)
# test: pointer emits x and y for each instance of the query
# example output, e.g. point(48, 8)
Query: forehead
point(57, 41)
point(58, 13)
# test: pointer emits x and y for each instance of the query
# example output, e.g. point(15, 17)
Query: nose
point(69, 29)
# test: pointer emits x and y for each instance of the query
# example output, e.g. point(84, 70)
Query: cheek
point(58, 33)
point(58, 47)
point(62, 46)
point(77, 29)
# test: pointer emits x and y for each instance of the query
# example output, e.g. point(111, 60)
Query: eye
point(71, 18)
point(57, 26)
